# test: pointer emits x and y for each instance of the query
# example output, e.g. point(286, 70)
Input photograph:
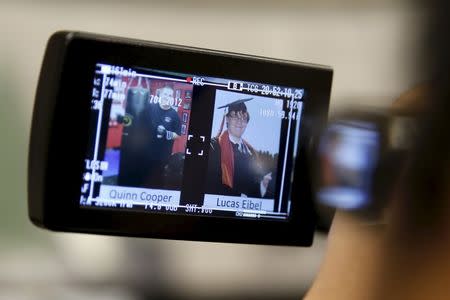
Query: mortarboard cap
point(238, 105)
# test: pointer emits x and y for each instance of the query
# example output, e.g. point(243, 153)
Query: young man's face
point(237, 123)
point(166, 98)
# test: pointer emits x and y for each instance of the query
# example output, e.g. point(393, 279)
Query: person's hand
point(349, 269)
point(160, 131)
point(265, 183)
point(266, 179)
point(357, 252)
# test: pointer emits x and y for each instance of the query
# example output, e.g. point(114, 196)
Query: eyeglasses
point(243, 120)
point(238, 117)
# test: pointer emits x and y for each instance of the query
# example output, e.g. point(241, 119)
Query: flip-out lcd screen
point(171, 143)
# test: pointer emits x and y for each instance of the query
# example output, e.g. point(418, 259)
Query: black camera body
point(145, 139)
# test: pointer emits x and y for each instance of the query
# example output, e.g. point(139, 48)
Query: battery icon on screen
point(105, 69)
point(235, 85)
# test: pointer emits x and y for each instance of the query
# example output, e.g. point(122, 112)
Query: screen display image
point(242, 163)
point(172, 143)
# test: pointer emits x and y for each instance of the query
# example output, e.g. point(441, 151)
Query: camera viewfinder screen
point(348, 154)
point(171, 143)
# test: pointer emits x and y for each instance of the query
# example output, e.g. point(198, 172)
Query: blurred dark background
point(373, 47)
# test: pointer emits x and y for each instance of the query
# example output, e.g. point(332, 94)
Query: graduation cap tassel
point(221, 127)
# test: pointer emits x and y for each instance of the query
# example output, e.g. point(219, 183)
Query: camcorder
point(145, 139)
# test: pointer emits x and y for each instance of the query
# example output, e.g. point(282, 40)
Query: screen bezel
point(70, 129)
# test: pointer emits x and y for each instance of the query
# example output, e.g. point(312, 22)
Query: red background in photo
point(182, 90)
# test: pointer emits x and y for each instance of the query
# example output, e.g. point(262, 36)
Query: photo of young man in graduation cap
point(234, 167)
